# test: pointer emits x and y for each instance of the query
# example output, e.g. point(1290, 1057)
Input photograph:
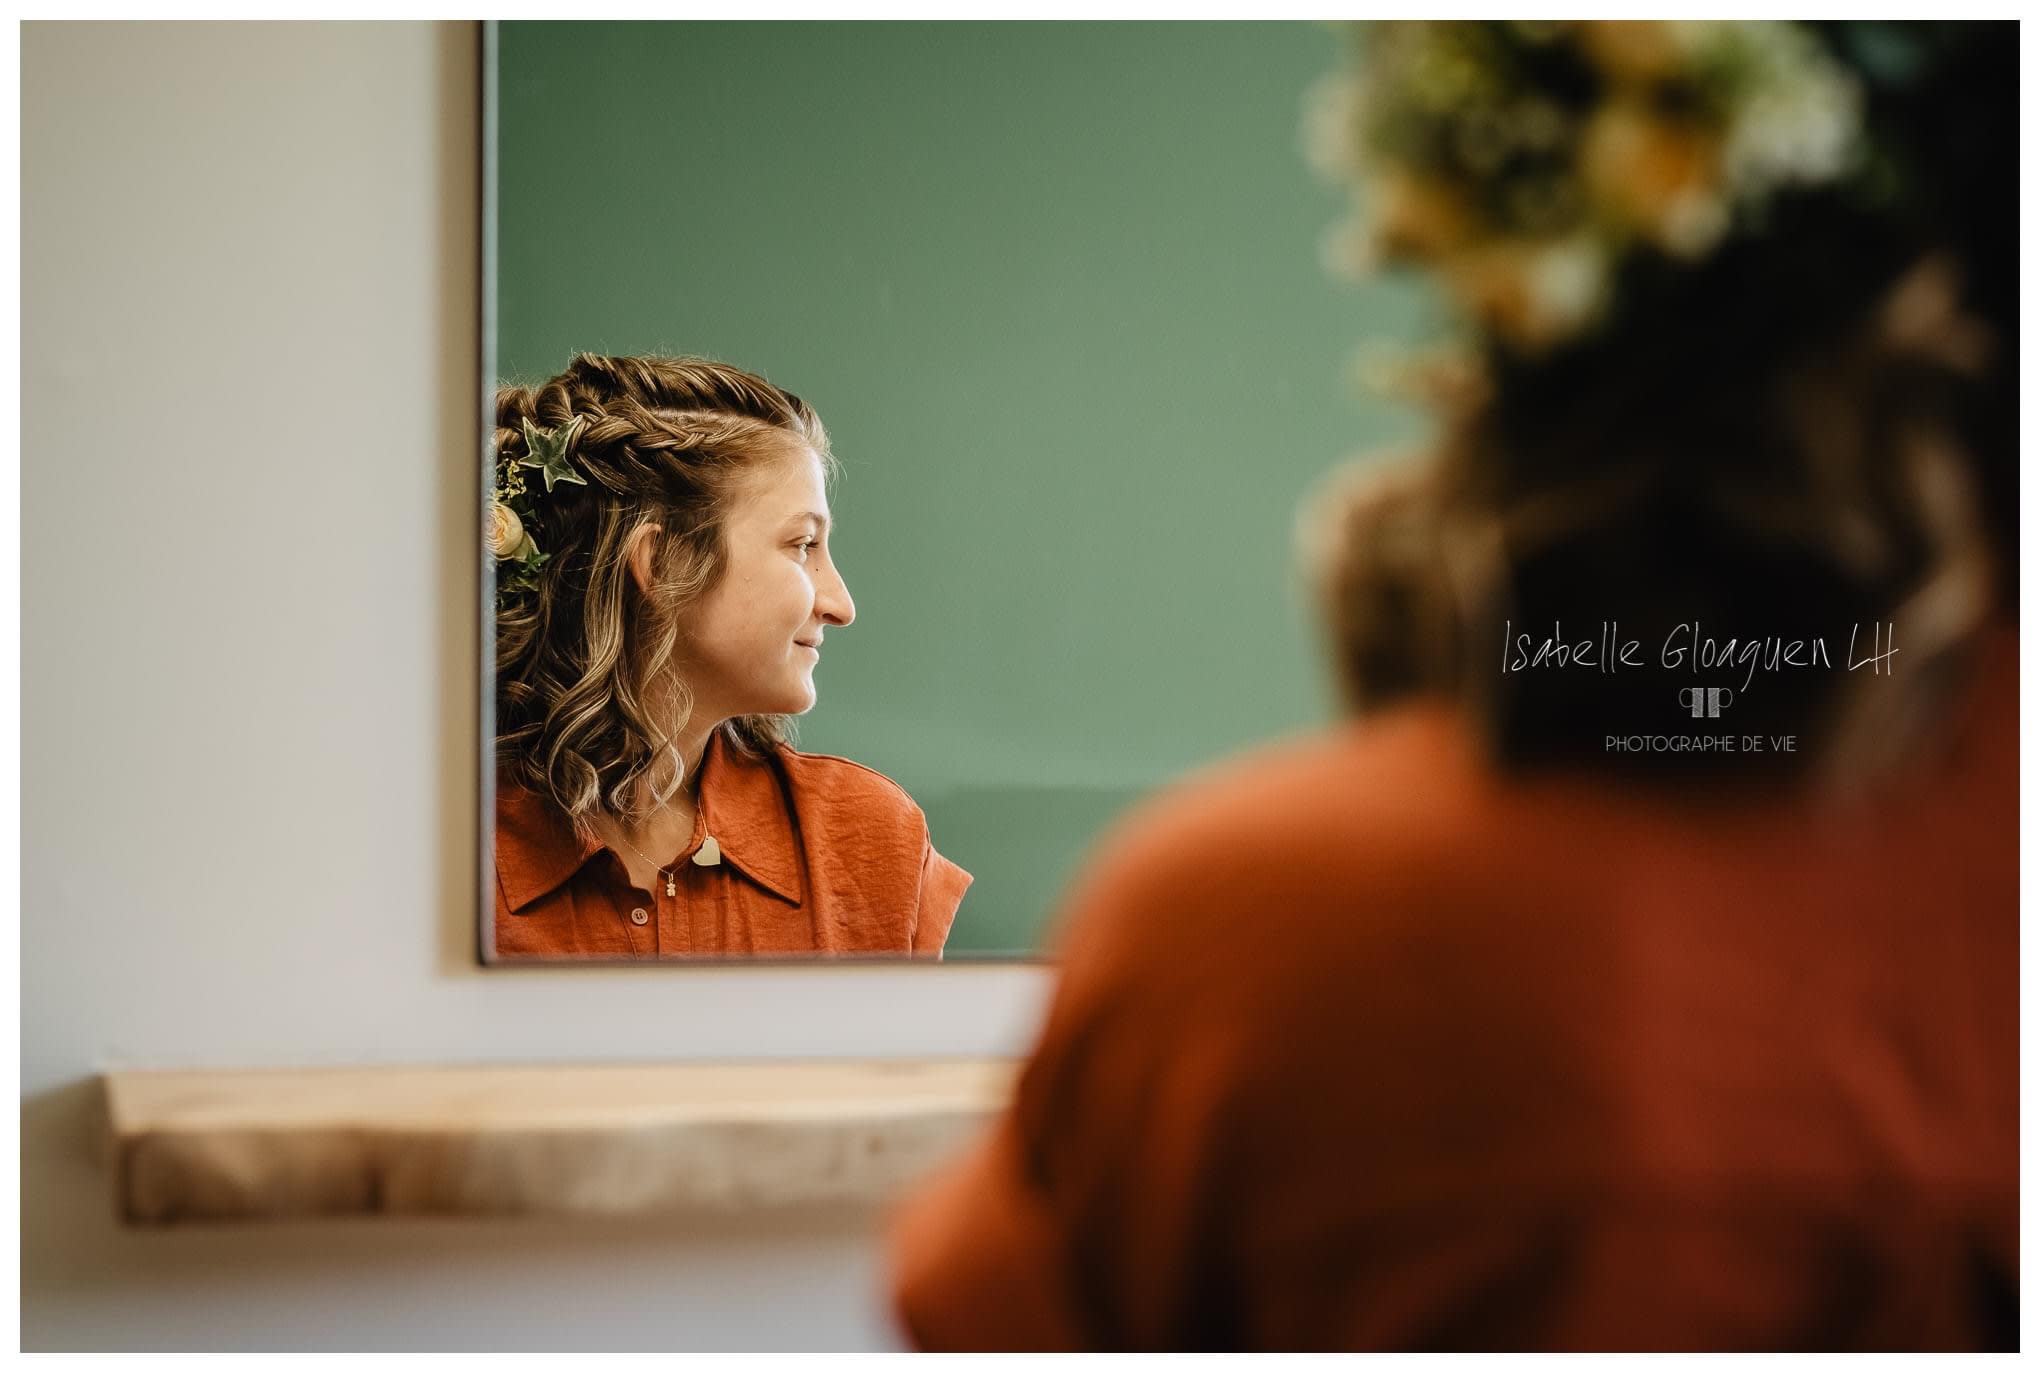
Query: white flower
point(506, 532)
point(1569, 284)
point(1332, 111)
point(1801, 119)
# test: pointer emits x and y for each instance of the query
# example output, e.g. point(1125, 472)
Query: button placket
point(626, 892)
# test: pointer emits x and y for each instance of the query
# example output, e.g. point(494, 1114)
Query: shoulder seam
point(911, 807)
point(852, 762)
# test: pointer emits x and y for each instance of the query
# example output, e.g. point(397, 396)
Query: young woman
point(1484, 1021)
point(665, 591)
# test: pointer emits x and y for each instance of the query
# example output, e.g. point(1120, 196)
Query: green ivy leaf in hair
point(547, 451)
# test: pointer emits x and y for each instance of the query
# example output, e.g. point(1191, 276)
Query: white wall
point(249, 691)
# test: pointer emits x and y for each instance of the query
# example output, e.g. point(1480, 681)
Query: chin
point(795, 700)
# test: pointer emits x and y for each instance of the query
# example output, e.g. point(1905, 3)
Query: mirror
point(1056, 293)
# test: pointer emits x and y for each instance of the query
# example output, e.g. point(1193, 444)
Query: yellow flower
point(1656, 177)
point(1493, 287)
point(1635, 50)
point(507, 538)
point(1422, 219)
point(1535, 293)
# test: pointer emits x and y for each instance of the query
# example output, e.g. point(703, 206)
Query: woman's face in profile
point(755, 639)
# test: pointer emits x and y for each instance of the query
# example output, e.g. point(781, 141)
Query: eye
point(807, 546)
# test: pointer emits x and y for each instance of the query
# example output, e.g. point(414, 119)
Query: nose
point(832, 598)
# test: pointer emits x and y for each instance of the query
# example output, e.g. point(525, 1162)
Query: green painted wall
point(1055, 290)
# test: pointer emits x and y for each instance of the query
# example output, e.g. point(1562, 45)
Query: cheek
point(794, 594)
point(719, 612)
point(766, 610)
point(762, 603)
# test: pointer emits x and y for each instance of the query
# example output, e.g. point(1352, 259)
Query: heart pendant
point(709, 854)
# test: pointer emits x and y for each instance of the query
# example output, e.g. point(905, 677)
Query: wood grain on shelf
point(560, 1140)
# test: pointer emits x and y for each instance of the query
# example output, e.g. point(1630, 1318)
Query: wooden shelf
point(561, 1140)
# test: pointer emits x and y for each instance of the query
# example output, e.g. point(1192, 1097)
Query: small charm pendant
point(670, 889)
point(709, 854)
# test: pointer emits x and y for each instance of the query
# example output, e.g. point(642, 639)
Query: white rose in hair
point(507, 538)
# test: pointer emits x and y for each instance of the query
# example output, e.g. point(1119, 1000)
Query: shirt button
point(639, 916)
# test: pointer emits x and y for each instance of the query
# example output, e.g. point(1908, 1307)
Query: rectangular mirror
point(1054, 295)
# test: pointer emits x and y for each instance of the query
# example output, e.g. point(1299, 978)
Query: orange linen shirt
point(1360, 1045)
point(814, 855)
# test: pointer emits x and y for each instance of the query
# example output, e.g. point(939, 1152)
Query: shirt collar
point(742, 802)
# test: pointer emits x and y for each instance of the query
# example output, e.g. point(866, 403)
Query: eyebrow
point(821, 521)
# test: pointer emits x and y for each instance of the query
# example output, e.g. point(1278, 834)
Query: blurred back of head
point(1740, 311)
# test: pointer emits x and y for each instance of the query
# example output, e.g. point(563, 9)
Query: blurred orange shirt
point(813, 855)
point(1358, 1045)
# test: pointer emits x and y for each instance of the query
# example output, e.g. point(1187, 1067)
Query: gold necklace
point(707, 856)
point(668, 873)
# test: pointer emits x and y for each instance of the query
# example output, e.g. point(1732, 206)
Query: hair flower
point(507, 538)
point(1525, 164)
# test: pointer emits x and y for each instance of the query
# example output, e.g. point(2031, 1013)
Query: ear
point(637, 552)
